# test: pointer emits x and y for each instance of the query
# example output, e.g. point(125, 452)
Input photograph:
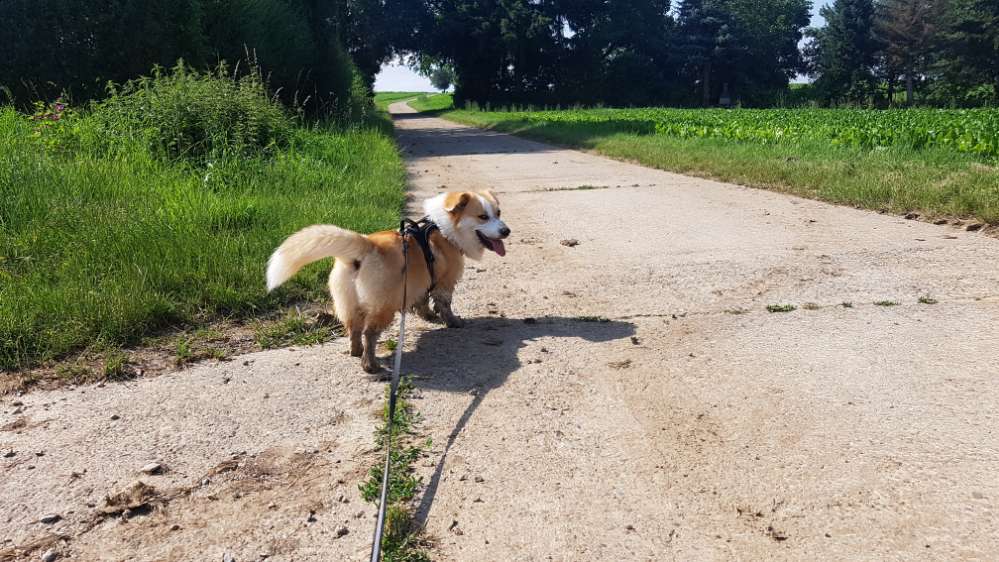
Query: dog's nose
point(504, 232)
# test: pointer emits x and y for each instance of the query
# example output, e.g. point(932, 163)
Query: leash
point(405, 228)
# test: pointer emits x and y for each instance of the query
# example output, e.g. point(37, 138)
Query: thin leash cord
point(376, 546)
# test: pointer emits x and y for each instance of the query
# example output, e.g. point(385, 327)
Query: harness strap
point(420, 231)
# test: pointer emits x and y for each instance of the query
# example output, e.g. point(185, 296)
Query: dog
point(367, 283)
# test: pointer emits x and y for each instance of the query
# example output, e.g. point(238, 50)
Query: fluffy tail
point(312, 244)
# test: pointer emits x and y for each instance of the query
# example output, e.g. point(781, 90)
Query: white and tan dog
point(366, 282)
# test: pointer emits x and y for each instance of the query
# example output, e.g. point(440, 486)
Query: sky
point(395, 77)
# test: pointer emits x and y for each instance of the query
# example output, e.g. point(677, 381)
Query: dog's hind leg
point(356, 345)
point(368, 360)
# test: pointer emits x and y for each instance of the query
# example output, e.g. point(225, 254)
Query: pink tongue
point(498, 247)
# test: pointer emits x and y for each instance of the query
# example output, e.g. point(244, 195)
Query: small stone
point(912, 216)
point(175, 527)
point(974, 227)
point(570, 243)
point(939, 222)
point(49, 556)
point(115, 417)
point(17, 403)
point(50, 518)
point(152, 468)
point(635, 340)
point(39, 453)
point(9, 454)
point(228, 557)
point(342, 531)
point(359, 515)
point(312, 517)
point(479, 480)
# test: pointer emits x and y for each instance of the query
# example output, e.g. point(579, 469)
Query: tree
point(750, 46)
point(442, 77)
point(906, 31)
point(845, 51)
point(969, 49)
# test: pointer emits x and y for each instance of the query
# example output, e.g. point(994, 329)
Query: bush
point(185, 113)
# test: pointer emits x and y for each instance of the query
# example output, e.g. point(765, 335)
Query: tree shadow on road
point(479, 357)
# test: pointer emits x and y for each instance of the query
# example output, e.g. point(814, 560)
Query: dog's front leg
point(442, 304)
point(422, 308)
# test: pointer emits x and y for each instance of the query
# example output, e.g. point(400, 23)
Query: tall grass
point(106, 236)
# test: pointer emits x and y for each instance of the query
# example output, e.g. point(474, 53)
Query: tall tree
point(845, 51)
point(749, 46)
point(969, 46)
point(906, 31)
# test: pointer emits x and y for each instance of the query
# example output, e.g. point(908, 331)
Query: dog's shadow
point(480, 356)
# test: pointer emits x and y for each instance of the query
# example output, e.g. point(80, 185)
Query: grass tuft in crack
point(781, 308)
point(403, 540)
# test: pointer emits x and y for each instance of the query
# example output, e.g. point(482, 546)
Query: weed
point(391, 344)
point(115, 366)
point(886, 303)
point(781, 308)
point(846, 304)
point(402, 541)
point(294, 329)
point(927, 300)
point(183, 355)
point(75, 372)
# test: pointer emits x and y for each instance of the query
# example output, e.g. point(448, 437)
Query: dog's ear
point(489, 193)
point(456, 202)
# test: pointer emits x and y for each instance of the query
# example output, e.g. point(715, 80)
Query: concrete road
point(689, 423)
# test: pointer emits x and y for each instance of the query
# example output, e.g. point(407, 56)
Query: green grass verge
point(935, 182)
point(402, 540)
point(103, 243)
point(384, 99)
point(433, 102)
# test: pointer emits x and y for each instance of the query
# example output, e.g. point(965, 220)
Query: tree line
point(317, 53)
point(938, 52)
point(540, 52)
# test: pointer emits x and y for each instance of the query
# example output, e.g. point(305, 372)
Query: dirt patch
point(179, 349)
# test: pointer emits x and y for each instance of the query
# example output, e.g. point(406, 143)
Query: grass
point(433, 102)
point(886, 303)
point(934, 181)
point(104, 241)
point(928, 300)
point(402, 541)
point(294, 329)
point(384, 99)
point(781, 308)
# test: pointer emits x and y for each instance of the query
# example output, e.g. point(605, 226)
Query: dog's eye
point(497, 214)
point(484, 217)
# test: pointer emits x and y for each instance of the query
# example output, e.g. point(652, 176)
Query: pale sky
point(395, 77)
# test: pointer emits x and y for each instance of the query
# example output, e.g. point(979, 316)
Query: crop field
point(974, 131)
point(936, 163)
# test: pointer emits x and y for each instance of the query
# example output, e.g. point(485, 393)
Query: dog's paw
point(454, 322)
point(371, 367)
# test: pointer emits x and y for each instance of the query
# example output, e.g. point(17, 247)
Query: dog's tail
point(311, 244)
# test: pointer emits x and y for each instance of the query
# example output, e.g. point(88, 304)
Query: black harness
point(420, 231)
